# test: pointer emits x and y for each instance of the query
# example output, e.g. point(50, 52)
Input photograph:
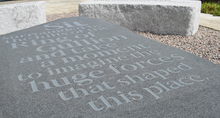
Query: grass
point(211, 8)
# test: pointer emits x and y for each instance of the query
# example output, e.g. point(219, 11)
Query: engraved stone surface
point(157, 16)
point(21, 15)
point(88, 68)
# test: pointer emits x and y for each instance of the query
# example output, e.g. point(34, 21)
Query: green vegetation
point(211, 8)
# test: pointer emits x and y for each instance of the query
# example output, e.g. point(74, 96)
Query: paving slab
point(208, 20)
point(62, 6)
point(87, 68)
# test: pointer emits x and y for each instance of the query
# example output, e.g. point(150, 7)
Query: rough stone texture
point(21, 15)
point(157, 16)
point(88, 68)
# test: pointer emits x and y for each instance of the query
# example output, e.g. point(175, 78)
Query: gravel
point(205, 43)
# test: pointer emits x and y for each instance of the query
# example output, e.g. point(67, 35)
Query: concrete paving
point(208, 20)
point(67, 6)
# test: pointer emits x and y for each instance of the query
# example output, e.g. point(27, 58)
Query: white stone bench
point(19, 16)
point(157, 16)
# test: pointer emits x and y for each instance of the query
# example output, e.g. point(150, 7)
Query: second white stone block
point(157, 16)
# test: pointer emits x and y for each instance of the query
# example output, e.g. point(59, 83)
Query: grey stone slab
point(88, 68)
point(158, 16)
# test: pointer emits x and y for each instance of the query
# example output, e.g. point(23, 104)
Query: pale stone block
point(19, 16)
point(157, 16)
